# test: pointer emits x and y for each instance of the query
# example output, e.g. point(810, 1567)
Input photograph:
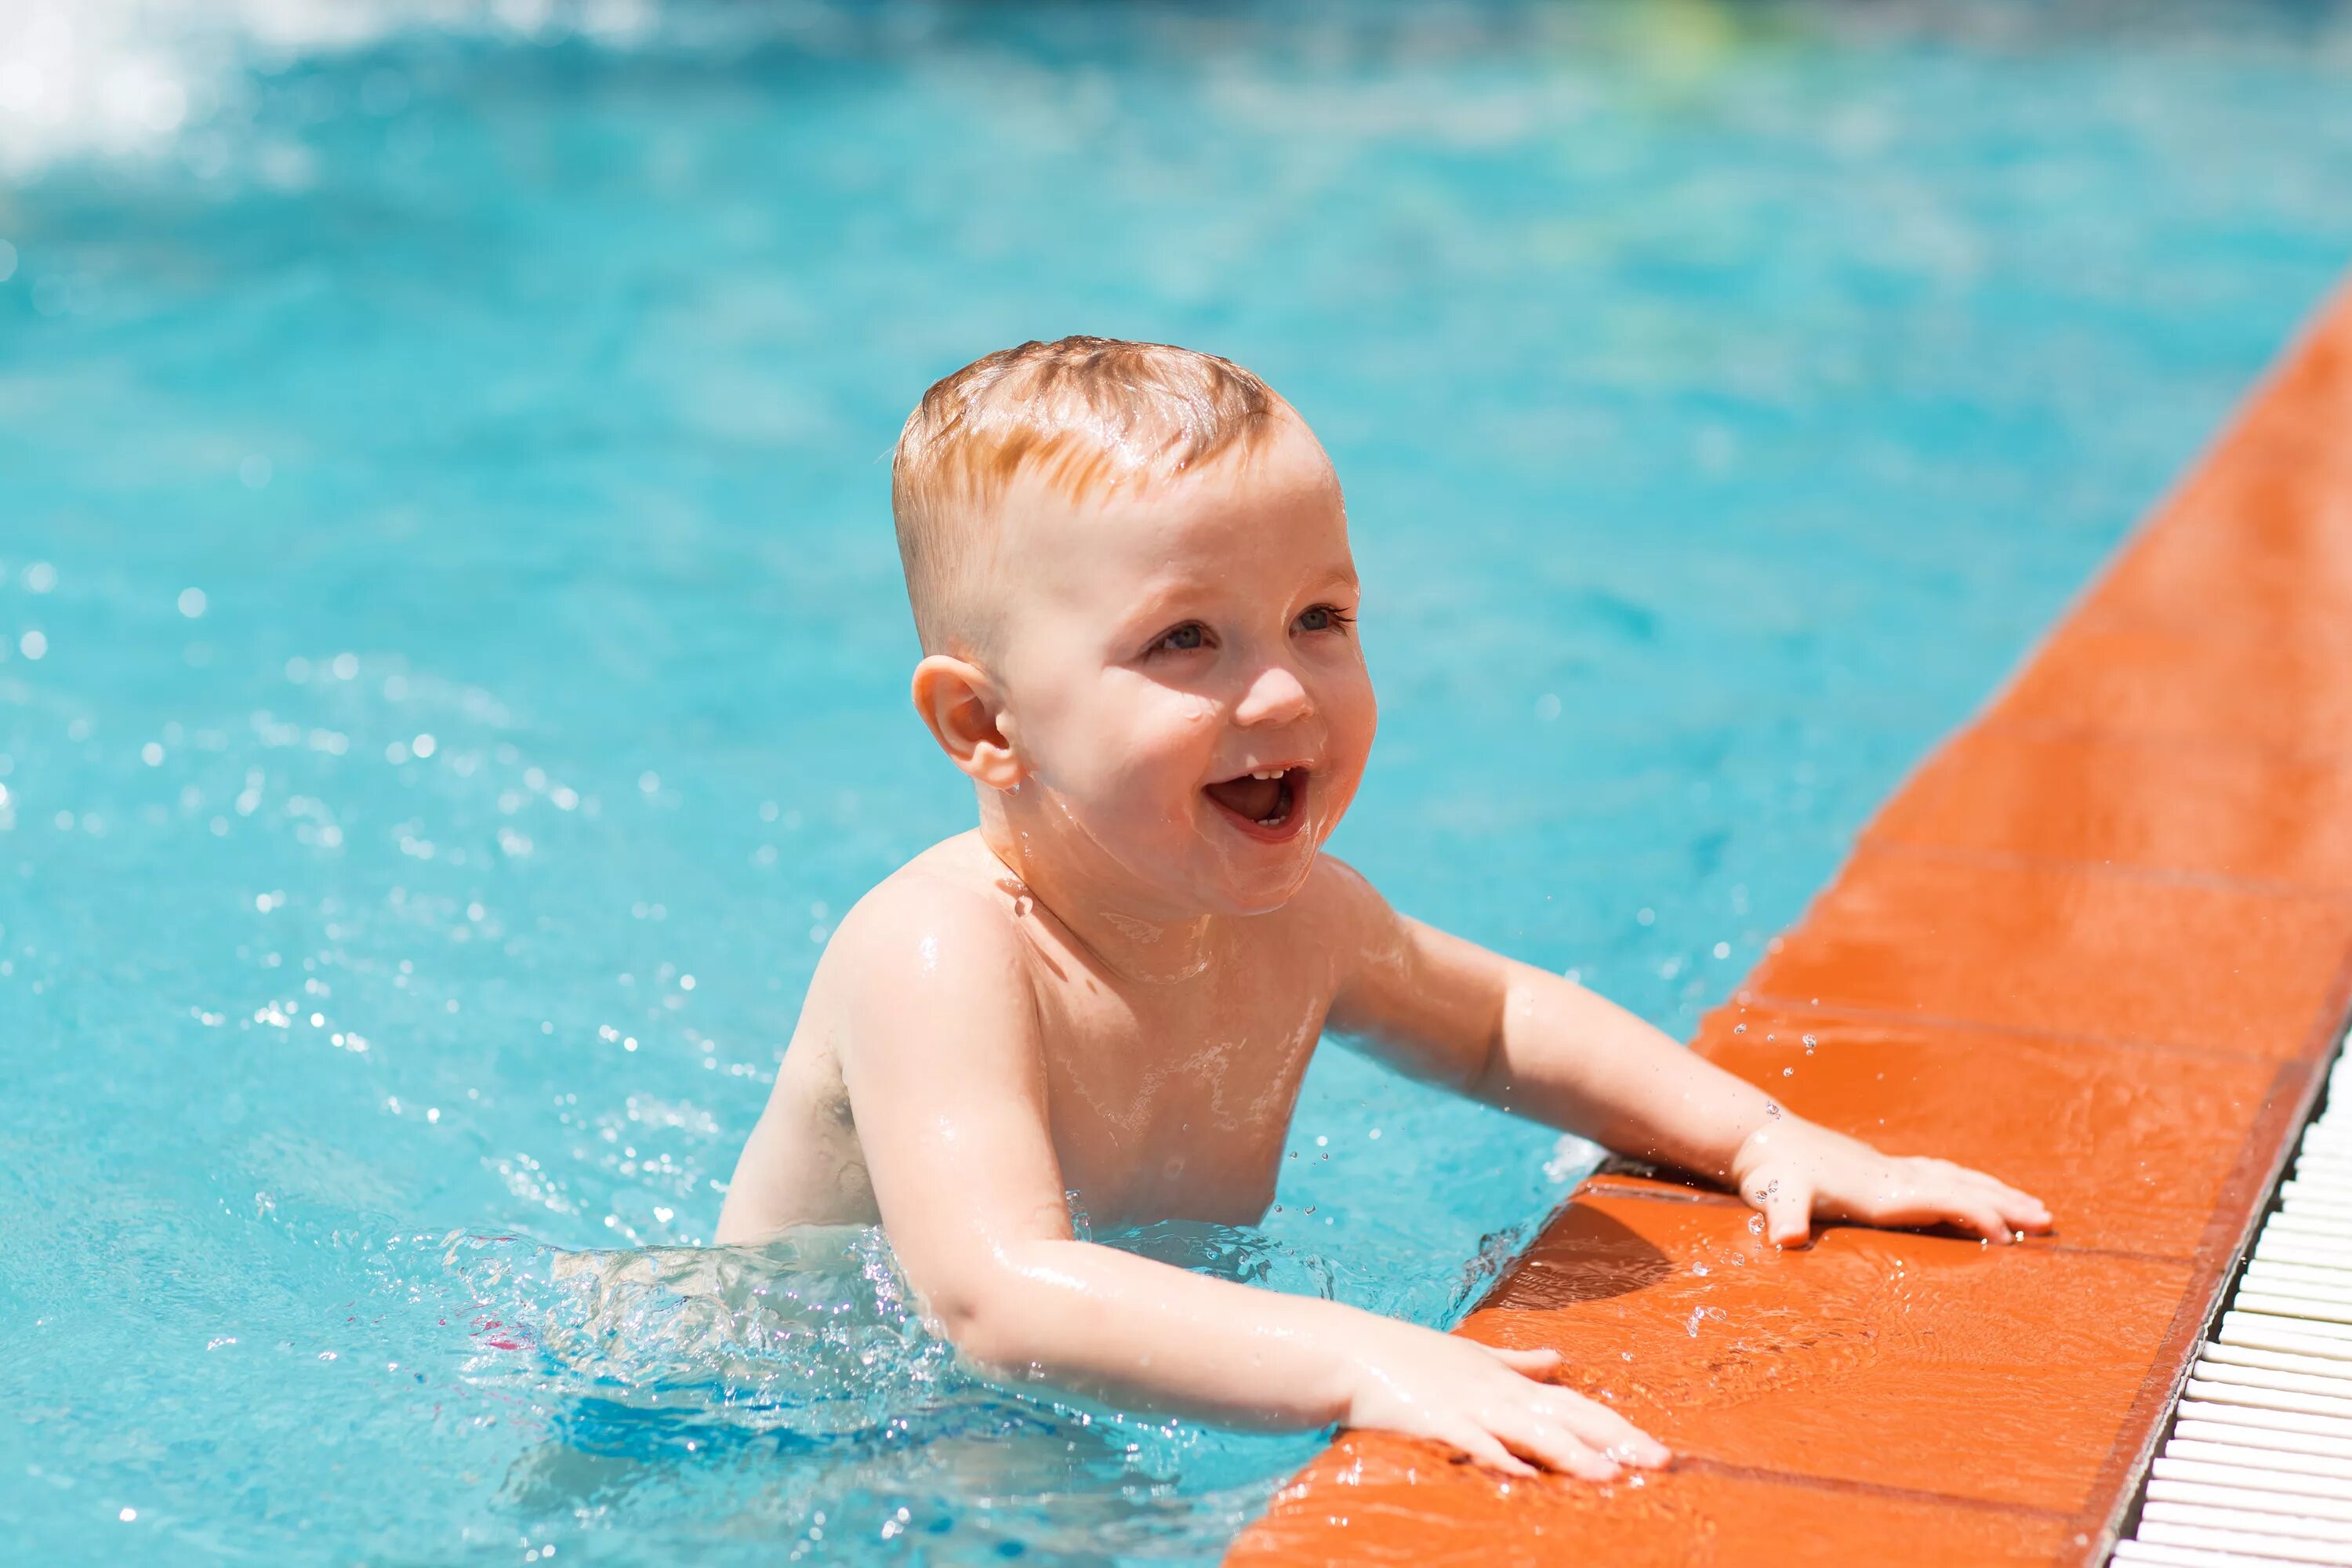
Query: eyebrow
point(1161, 602)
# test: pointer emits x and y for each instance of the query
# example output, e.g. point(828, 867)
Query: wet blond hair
point(1083, 414)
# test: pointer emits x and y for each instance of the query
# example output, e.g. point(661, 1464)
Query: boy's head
point(1129, 569)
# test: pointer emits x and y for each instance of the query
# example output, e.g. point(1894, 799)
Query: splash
point(814, 1336)
point(794, 1393)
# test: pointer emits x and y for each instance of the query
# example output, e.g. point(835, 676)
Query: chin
point(1264, 894)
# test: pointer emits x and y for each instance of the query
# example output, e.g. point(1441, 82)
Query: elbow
point(1486, 1076)
point(985, 1325)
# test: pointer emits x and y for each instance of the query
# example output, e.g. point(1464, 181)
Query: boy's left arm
point(1509, 1034)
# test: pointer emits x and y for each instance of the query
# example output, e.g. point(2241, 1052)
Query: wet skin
point(1112, 988)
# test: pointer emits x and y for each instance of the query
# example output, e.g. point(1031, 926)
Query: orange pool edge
point(2100, 942)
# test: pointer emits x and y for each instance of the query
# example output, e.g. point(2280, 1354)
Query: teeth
point(1271, 774)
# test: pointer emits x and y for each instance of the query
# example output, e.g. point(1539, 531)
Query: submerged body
point(1130, 566)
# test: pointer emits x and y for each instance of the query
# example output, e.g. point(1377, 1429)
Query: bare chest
point(1175, 1106)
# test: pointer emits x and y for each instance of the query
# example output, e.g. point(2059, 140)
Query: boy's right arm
point(946, 1083)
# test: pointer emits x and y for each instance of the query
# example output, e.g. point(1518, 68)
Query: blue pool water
point(453, 652)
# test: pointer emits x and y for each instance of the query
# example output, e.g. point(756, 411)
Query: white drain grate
point(2257, 1472)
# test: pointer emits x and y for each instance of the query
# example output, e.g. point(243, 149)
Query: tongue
point(1245, 796)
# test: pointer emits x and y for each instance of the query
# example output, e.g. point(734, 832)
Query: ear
point(966, 716)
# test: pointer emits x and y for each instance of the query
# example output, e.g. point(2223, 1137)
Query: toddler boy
point(1130, 571)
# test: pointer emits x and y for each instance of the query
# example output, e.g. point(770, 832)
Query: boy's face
point(1160, 650)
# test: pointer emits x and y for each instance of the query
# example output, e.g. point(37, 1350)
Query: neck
point(1070, 880)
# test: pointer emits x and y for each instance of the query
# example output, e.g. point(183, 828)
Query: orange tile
point(2057, 950)
point(2285, 691)
point(2250, 550)
point(2130, 1147)
point(1886, 1359)
point(1376, 1500)
point(2261, 536)
point(2250, 815)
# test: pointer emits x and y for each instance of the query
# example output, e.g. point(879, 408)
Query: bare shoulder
point(936, 938)
point(1342, 903)
point(1366, 944)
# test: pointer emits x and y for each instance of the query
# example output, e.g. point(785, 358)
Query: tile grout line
point(1806, 1482)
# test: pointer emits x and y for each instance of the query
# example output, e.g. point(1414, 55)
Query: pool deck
point(2099, 943)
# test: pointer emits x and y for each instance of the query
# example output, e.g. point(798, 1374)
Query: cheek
point(1139, 750)
point(1354, 716)
point(1175, 735)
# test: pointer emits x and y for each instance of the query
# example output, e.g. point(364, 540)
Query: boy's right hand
point(1490, 1404)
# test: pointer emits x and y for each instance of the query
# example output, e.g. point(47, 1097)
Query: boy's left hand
point(1793, 1170)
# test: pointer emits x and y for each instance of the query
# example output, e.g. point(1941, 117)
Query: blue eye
point(1184, 638)
point(1324, 618)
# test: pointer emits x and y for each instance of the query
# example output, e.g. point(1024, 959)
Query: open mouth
point(1269, 804)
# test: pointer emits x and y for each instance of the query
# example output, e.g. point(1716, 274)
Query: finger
point(2023, 1210)
point(1527, 1364)
point(1980, 1218)
point(2007, 1193)
point(1557, 1449)
point(1787, 1204)
point(1603, 1428)
point(1480, 1447)
point(1997, 1187)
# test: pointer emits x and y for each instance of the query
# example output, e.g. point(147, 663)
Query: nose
point(1274, 696)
